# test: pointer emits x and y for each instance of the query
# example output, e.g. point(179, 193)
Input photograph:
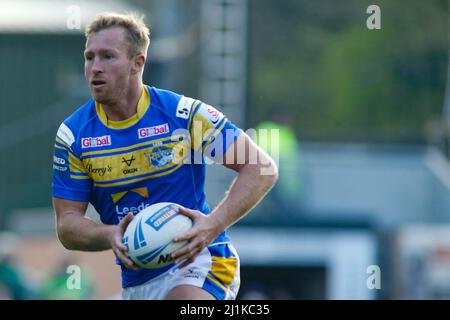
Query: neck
point(126, 106)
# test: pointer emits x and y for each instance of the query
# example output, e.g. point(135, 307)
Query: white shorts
point(216, 270)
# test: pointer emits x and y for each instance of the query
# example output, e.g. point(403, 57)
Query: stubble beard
point(105, 98)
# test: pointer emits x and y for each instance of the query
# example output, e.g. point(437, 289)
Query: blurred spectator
point(288, 191)
point(12, 283)
point(57, 287)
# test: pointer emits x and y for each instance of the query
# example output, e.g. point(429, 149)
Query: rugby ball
point(149, 235)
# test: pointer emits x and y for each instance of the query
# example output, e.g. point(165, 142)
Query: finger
point(118, 243)
point(185, 236)
point(121, 246)
point(122, 256)
point(134, 266)
point(183, 257)
point(188, 212)
point(127, 262)
point(185, 250)
point(188, 261)
point(126, 221)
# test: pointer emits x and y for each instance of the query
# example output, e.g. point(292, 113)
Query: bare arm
point(77, 232)
point(256, 177)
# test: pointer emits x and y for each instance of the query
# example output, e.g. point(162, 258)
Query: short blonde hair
point(137, 33)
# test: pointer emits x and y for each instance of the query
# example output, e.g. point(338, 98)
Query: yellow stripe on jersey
point(79, 177)
point(63, 143)
point(214, 134)
point(142, 107)
point(117, 196)
point(210, 277)
point(224, 268)
point(137, 145)
point(76, 165)
point(203, 130)
point(59, 147)
point(193, 110)
point(201, 127)
point(121, 183)
point(111, 168)
point(197, 135)
point(143, 192)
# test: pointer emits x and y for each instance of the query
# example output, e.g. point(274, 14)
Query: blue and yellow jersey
point(155, 156)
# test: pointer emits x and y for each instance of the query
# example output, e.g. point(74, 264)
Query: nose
point(96, 66)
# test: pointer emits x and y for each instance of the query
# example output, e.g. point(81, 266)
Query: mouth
point(96, 84)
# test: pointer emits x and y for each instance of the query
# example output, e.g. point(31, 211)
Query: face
point(108, 68)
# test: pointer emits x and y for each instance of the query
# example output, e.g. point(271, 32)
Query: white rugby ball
point(149, 235)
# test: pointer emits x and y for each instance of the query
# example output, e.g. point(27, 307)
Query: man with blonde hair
point(119, 153)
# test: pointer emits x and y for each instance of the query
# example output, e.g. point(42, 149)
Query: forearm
point(80, 233)
point(247, 190)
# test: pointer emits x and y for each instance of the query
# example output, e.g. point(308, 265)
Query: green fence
point(41, 82)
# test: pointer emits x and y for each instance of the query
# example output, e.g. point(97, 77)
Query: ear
point(138, 63)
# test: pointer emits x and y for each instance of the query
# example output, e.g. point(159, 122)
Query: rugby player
point(125, 149)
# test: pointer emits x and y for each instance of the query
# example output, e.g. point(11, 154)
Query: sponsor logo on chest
point(95, 142)
point(160, 156)
point(100, 170)
point(153, 131)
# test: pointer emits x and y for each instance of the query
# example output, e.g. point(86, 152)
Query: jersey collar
point(142, 107)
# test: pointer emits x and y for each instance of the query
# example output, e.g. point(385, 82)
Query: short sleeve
point(70, 179)
point(211, 131)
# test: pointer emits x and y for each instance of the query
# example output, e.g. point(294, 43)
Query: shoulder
point(164, 97)
point(172, 103)
point(70, 128)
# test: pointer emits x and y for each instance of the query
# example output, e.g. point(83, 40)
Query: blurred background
point(363, 118)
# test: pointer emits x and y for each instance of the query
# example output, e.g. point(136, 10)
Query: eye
point(88, 58)
point(108, 56)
